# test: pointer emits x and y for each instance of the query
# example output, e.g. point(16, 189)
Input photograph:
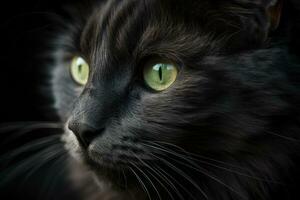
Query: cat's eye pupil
point(160, 73)
point(80, 68)
point(160, 76)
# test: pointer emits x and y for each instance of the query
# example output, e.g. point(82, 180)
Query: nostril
point(84, 133)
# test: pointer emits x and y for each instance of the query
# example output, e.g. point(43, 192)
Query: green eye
point(160, 76)
point(79, 70)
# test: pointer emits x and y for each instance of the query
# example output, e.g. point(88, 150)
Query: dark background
point(24, 28)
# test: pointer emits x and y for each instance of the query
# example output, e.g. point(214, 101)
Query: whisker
point(44, 161)
point(210, 176)
point(197, 168)
point(147, 177)
point(149, 167)
point(54, 177)
point(198, 156)
point(141, 182)
point(179, 171)
point(30, 129)
point(25, 165)
point(35, 145)
point(184, 156)
point(284, 137)
point(163, 172)
point(240, 173)
point(10, 126)
point(125, 179)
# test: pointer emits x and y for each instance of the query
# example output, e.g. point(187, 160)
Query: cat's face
point(134, 79)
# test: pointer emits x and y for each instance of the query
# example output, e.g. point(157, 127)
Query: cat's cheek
point(71, 145)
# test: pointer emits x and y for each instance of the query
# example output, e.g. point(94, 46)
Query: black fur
point(228, 128)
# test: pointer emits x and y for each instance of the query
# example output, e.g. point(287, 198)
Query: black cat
point(178, 99)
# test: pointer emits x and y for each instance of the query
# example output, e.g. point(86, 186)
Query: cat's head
point(136, 80)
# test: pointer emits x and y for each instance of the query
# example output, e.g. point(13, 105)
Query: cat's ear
point(270, 11)
point(274, 11)
point(240, 23)
point(263, 12)
point(255, 18)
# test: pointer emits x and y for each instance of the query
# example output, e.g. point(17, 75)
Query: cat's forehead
point(127, 30)
point(133, 28)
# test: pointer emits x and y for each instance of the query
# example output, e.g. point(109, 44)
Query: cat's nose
point(84, 132)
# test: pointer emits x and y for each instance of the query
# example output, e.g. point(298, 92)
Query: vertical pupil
point(80, 68)
point(160, 73)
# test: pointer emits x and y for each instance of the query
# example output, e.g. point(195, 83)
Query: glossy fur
point(228, 128)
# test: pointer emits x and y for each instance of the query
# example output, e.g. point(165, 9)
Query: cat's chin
point(119, 177)
point(87, 176)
